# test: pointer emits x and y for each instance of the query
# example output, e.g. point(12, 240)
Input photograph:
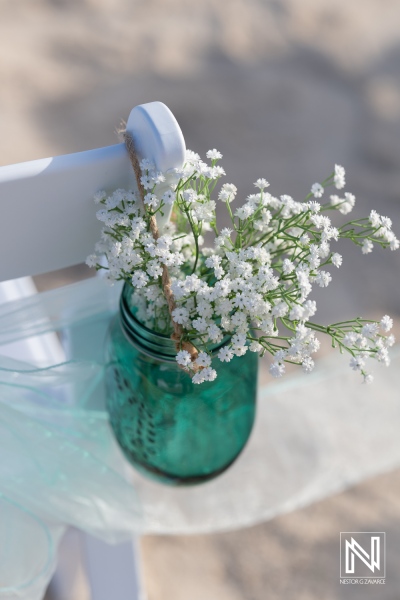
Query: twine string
point(177, 334)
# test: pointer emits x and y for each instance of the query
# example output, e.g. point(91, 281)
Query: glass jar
point(169, 428)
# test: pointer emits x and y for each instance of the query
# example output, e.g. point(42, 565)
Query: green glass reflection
point(167, 427)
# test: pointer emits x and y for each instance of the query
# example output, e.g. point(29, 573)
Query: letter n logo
point(372, 559)
point(362, 554)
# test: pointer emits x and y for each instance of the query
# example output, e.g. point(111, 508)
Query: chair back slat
point(47, 213)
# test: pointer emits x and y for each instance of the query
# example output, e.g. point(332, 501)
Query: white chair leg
point(112, 570)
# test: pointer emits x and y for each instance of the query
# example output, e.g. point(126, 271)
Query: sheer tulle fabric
point(60, 466)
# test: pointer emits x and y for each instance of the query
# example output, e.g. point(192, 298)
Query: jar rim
point(156, 345)
point(127, 309)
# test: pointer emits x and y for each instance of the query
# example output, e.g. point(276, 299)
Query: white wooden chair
point(48, 222)
point(310, 440)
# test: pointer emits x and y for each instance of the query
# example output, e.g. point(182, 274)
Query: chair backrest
point(47, 211)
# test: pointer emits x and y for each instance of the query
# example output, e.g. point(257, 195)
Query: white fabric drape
point(314, 435)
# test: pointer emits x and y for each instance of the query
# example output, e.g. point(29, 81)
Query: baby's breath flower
point(308, 364)
point(357, 363)
point(390, 341)
point(200, 324)
point(226, 232)
point(168, 197)
point(374, 219)
point(255, 346)
point(214, 154)
point(214, 333)
point(318, 221)
point(139, 279)
point(386, 222)
point(277, 369)
point(146, 165)
point(146, 182)
point(180, 315)
point(217, 172)
point(343, 205)
point(192, 157)
point(227, 192)
point(207, 374)
point(394, 244)
point(225, 354)
point(339, 177)
point(370, 330)
point(317, 190)
point(386, 323)
point(244, 212)
point(261, 183)
point(349, 203)
point(367, 246)
point(154, 269)
point(313, 206)
point(287, 266)
point(304, 239)
point(198, 377)
point(337, 259)
point(183, 358)
point(280, 356)
point(92, 260)
point(383, 356)
point(99, 196)
point(203, 360)
point(323, 278)
point(151, 200)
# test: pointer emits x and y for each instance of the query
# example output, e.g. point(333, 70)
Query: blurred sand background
point(284, 89)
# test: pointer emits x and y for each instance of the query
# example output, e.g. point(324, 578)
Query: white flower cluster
point(368, 339)
point(129, 247)
point(250, 292)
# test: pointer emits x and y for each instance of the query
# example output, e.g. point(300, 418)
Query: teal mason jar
point(170, 429)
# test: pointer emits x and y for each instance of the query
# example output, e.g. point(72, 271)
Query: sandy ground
point(294, 557)
point(284, 89)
